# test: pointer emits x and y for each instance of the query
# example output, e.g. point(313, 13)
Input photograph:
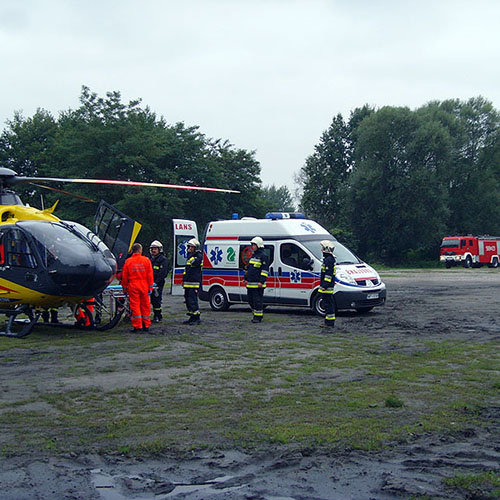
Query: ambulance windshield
point(341, 253)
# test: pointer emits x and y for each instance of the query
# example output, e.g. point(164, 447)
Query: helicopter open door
point(116, 230)
point(184, 230)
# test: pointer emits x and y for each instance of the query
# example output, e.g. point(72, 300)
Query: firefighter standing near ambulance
point(191, 281)
point(160, 271)
point(327, 282)
point(255, 278)
point(137, 282)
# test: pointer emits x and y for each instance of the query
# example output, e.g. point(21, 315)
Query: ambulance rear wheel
point(317, 305)
point(218, 299)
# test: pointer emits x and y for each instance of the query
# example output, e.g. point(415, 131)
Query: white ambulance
point(292, 245)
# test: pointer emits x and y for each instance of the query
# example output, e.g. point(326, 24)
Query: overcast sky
point(268, 75)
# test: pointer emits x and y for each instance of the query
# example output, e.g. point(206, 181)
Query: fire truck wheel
point(317, 305)
point(447, 264)
point(468, 262)
point(218, 299)
point(494, 263)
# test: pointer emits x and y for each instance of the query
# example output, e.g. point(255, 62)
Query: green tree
point(398, 202)
point(325, 178)
point(25, 147)
point(106, 139)
point(472, 173)
point(277, 199)
point(325, 173)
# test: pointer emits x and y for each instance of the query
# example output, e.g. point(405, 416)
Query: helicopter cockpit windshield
point(75, 260)
point(55, 242)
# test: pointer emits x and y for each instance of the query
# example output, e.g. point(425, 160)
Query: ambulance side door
point(183, 231)
point(270, 290)
point(293, 274)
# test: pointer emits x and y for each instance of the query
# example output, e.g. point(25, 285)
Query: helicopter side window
point(16, 250)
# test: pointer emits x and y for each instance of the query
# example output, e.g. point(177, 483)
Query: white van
point(292, 245)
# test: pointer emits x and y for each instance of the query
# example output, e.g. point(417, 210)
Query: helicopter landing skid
point(26, 324)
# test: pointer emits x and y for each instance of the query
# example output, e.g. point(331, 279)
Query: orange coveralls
point(137, 281)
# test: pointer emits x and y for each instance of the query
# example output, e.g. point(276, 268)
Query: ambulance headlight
point(346, 278)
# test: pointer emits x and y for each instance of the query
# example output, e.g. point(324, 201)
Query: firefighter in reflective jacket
point(255, 278)
point(327, 282)
point(160, 271)
point(137, 282)
point(191, 281)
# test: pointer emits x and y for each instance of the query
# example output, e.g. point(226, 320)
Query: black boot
point(53, 316)
point(193, 320)
point(45, 316)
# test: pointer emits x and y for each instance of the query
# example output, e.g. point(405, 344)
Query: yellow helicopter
point(46, 262)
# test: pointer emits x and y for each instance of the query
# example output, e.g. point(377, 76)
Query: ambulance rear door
point(184, 230)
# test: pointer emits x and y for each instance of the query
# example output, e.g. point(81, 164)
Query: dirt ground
point(422, 305)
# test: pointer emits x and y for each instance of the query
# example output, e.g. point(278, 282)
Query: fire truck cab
point(292, 246)
point(470, 251)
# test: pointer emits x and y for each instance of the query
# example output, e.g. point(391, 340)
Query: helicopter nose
point(86, 279)
point(105, 270)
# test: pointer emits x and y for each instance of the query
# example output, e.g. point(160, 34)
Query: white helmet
point(327, 246)
point(156, 244)
point(258, 241)
point(193, 242)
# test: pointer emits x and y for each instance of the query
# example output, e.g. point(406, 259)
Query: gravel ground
point(422, 305)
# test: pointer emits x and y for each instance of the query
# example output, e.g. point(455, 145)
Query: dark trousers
point(329, 305)
point(191, 299)
point(256, 302)
point(156, 298)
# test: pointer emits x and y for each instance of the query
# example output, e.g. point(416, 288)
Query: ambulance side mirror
point(307, 263)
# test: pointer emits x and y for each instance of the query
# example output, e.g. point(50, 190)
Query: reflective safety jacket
point(257, 270)
point(328, 270)
point(192, 271)
point(137, 274)
point(160, 268)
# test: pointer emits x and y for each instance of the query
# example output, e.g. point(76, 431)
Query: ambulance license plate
point(372, 296)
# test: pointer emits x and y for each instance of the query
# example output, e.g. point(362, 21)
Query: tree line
point(388, 182)
point(108, 139)
point(391, 182)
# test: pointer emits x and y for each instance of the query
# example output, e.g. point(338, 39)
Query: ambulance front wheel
point(218, 299)
point(317, 305)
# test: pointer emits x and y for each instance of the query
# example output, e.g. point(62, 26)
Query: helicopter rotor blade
point(84, 198)
point(123, 183)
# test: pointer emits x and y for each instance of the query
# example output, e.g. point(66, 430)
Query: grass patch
point(484, 485)
point(239, 389)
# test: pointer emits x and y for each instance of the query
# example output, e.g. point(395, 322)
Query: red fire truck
point(470, 251)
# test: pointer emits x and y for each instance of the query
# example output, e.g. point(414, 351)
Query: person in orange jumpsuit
point(81, 316)
point(137, 282)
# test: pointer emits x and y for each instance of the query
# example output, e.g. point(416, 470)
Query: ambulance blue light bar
point(284, 215)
